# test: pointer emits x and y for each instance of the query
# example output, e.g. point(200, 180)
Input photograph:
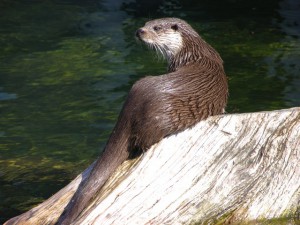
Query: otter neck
point(194, 51)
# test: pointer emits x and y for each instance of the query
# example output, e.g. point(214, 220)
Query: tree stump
point(227, 169)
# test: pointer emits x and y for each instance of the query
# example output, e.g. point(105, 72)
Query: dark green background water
point(66, 66)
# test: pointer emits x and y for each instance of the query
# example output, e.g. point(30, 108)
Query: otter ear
point(174, 27)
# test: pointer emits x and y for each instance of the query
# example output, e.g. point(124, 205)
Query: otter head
point(163, 35)
point(176, 40)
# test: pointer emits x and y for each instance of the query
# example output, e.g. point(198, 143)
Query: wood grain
point(230, 168)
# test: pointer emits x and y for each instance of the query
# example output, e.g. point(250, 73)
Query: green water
point(66, 66)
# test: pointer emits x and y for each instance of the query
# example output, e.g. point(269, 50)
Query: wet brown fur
point(194, 88)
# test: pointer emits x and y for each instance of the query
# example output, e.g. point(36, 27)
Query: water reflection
point(7, 96)
point(284, 62)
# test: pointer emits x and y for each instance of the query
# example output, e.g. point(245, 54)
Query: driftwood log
point(227, 169)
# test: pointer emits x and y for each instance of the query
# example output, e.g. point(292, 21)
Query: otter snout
point(139, 33)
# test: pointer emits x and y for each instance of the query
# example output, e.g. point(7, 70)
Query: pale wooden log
point(230, 168)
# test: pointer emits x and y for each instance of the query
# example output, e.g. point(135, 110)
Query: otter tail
point(114, 154)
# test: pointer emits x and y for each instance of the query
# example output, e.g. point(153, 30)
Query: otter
point(194, 88)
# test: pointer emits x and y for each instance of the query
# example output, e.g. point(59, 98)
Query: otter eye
point(174, 27)
point(156, 28)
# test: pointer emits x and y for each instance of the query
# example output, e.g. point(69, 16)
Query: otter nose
point(139, 32)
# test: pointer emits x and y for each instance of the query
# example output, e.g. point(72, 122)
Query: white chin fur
point(171, 42)
point(167, 44)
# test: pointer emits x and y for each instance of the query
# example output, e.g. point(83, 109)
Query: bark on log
point(229, 168)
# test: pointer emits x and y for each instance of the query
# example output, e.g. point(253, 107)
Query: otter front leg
point(148, 117)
